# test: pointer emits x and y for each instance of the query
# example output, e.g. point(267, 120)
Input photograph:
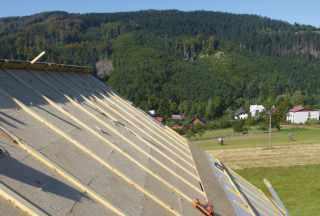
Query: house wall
point(302, 117)
point(315, 115)
point(242, 116)
point(255, 109)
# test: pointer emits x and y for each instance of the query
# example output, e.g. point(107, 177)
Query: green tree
point(297, 98)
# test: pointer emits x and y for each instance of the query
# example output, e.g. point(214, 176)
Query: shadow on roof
point(14, 169)
point(9, 120)
point(30, 201)
point(27, 85)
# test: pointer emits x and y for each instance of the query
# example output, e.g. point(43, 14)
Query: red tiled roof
point(197, 121)
point(159, 119)
point(299, 109)
point(176, 126)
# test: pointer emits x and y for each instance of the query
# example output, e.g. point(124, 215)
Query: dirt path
point(278, 156)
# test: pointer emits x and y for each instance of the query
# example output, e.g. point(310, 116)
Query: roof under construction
point(69, 145)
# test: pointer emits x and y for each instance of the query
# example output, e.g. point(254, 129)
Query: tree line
point(200, 63)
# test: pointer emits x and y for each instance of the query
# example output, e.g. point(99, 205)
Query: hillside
point(200, 63)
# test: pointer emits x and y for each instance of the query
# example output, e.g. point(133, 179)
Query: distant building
point(159, 119)
point(177, 116)
point(198, 121)
point(256, 109)
point(241, 114)
point(300, 115)
point(177, 127)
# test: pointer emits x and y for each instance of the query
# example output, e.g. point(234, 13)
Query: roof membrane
point(72, 146)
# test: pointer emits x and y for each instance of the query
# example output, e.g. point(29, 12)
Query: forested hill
point(199, 63)
point(53, 29)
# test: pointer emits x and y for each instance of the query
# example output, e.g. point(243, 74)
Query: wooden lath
point(166, 131)
point(176, 145)
point(87, 151)
point(114, 146)
point(91, 154)
point(56, 169)
point(18, 202)
point(182, 155)
point(145, 118)
point(187, 156)
point(152, 122)
point(169, 151)
point(156, 135)
point(139, 149)
point(103, 123)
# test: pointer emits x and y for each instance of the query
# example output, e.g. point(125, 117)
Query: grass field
point(298, 187)
point(255, 138)
point(279, 156)
point(292, 165)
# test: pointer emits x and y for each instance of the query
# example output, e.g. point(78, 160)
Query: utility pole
point(270, 126)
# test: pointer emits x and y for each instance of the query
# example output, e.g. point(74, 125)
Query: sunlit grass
point(255, 138)
point(298, 186)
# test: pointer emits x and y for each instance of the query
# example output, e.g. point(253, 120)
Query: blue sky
point(305, 12)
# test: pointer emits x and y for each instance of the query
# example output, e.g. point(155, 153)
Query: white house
point(178, 116)
point(241, 114)
point(152, 112)
point(300, 115)
point(256, 109)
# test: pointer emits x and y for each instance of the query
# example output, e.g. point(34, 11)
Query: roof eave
point(43, 66)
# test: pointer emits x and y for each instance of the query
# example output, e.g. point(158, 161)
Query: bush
point(182, 131)
point(251, 121)
point(239, 126)
point(264, 121)
point(312, 122)
point(263, 126)
point(221, 123)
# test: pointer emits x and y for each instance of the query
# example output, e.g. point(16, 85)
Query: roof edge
point(43, 66)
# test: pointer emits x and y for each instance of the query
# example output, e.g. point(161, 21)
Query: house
point(300, 115)
point(256, 109)
point(198, 121)
point(240, 114)
point(152, 112)
point(159, 119)
point(177, 116)
point(177, 127)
